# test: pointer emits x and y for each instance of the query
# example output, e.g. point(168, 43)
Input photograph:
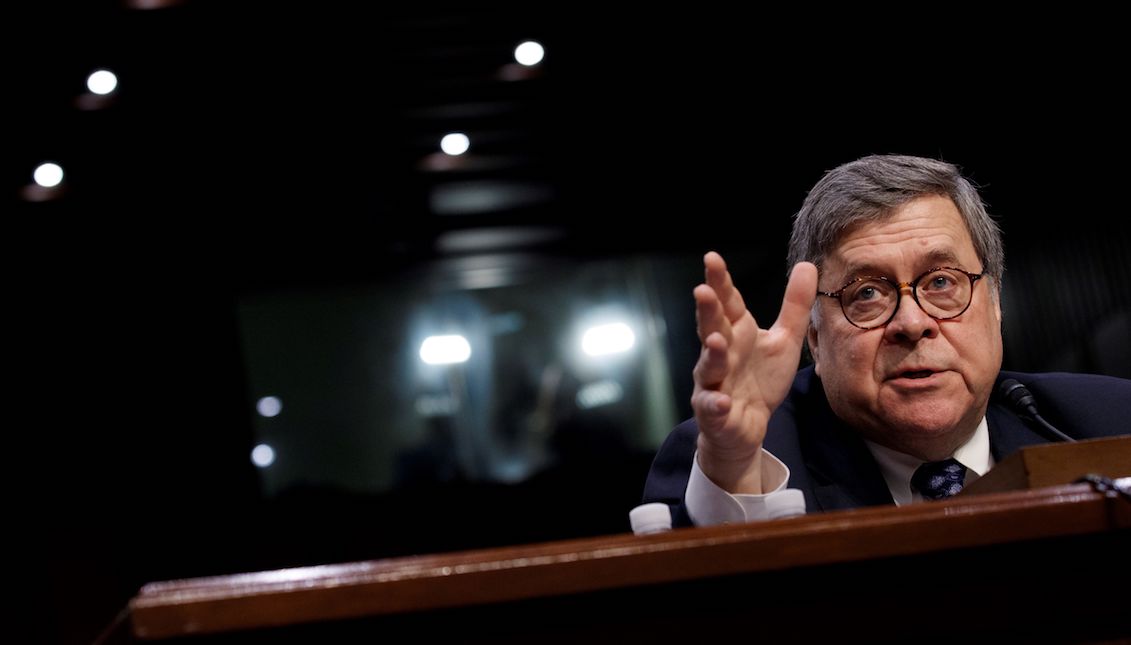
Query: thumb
point(800, 294)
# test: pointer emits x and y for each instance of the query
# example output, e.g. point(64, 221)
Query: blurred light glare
point(269, 406)
point(529, 53)
point(263, 455)
point(600, 393)
point(439, 405)
point(445, 350)
point(602, 340)
point(48, 175)
point(455, 144)
point(102, 82)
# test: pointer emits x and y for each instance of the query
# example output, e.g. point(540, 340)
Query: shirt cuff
point(709, 505)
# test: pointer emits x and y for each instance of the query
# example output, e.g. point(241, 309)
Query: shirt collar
point(897, 467)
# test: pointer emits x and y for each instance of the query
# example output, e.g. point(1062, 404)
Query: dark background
point(254, 148)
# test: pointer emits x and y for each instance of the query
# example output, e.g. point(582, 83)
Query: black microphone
point(1022, 401)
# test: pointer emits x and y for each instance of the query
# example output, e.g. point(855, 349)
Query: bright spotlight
point(48, 175)
point(529, 53)
point(455, 144)
point(613, 338)
point(269, 406)
point(445, 350)
point(102, 82)
point(263, 455)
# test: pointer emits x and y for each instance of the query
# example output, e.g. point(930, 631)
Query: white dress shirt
point(897, 468)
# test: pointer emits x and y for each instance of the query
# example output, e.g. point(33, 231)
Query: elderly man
point(895, 285)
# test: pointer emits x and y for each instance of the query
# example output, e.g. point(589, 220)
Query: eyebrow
point(933, 258)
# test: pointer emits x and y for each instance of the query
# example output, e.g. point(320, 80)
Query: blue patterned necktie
point(939, 479)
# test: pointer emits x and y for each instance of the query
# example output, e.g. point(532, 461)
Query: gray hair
point(872, 188)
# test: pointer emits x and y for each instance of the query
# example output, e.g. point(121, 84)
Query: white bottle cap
point(785, 503)
point(655, 517)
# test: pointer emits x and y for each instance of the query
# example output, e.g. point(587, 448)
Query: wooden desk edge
point(370, 588)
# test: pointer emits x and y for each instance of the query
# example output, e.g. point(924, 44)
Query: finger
point(711, 369)
point(719, 279)
point(711, 408)
point(800, 294)
point(709, 315)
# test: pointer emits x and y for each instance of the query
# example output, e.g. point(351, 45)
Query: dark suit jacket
point(830, 463)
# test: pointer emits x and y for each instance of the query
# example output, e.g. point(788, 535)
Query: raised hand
point(744, 372)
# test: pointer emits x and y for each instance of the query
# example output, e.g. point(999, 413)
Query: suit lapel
point(847, 476)
point(843, 472)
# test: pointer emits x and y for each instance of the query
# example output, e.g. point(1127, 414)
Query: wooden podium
point(1051, 564)
point(1054, 464)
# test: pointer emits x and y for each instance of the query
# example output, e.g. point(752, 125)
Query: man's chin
point(924, 416)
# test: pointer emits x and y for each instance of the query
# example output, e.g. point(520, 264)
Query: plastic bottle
point(649, 518)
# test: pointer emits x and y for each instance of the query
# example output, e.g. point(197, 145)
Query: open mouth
point(918, 374)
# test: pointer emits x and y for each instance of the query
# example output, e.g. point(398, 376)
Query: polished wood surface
point(1055, 464)
point(551, 570)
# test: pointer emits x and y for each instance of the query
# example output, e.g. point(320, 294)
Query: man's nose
point(910, 322)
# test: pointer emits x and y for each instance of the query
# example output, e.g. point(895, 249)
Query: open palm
point(744, 372)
